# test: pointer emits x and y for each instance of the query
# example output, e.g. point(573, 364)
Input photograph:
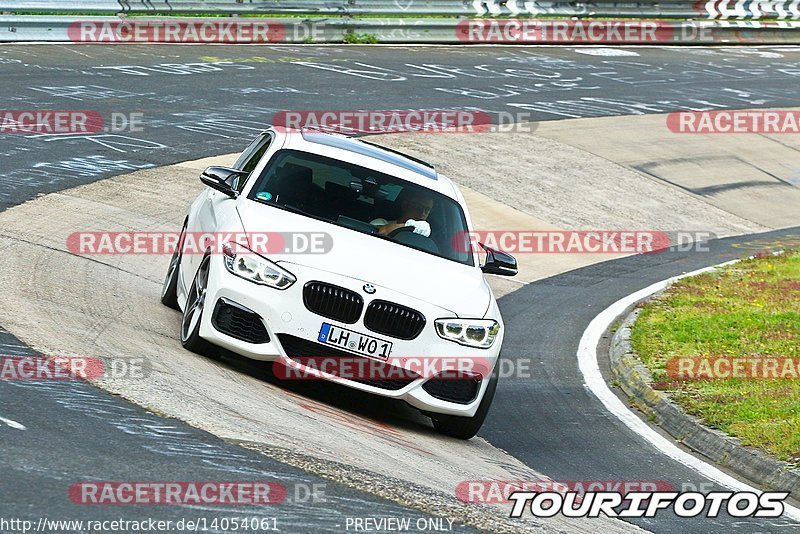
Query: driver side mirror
point(498, 262)
point(223, 179)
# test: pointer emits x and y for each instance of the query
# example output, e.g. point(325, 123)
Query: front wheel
point(193, 311)
point(466, 427)
point(169, 290)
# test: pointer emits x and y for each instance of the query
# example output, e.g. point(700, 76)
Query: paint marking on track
point(12, 423)
point(609, 52)
point(587, 361)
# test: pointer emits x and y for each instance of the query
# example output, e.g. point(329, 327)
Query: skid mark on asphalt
point(356, 422)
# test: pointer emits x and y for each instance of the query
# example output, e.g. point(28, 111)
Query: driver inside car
point(414, 210)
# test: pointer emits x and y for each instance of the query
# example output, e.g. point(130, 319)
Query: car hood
point(458, 288)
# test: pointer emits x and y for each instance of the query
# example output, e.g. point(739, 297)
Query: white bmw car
point(393, 303)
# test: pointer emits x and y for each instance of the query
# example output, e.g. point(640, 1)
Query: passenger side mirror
point(223, 179)
point(498, 262)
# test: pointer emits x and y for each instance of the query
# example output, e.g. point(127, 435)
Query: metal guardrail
point(335, 30)
point(109, 7)
point(681, 9)
point(677, 21)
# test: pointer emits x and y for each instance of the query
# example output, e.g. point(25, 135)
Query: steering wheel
point(400, 230)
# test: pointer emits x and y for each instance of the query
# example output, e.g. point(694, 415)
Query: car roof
point(371, 155)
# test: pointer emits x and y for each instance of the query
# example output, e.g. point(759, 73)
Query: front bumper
point(284, 314)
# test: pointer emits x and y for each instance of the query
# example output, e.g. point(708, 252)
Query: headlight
point(252, 267)
point(479, 333)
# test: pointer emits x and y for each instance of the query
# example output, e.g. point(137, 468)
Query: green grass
point(749, 309)
point(360, 38)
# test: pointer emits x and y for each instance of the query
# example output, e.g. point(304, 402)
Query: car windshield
point(366, 201)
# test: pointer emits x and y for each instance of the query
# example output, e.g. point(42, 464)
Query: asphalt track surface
point(78, 433)
point(202, 101)
point(199, 101)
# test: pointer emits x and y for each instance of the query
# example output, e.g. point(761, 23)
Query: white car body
point(434, 286)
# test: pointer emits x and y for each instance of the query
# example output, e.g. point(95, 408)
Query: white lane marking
point(612, 52)
point(751, 51)
point(12, 424)
point(587, 361)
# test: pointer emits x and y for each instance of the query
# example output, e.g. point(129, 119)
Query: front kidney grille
point(393, 320)
point(300, 349)
point(333, 302)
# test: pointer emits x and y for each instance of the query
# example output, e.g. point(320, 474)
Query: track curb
point(631, 375)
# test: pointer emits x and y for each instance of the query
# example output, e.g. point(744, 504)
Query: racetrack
point(549, 425)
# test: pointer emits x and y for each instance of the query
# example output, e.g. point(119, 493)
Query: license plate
point(352, 341)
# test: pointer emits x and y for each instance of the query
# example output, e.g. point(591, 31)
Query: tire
point(193, 311)
point(466, 427)
point(169, 290)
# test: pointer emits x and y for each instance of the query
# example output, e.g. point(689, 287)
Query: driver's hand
point(422, 228)
point(387, 229)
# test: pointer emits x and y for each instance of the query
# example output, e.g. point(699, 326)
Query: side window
point(251, 156)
